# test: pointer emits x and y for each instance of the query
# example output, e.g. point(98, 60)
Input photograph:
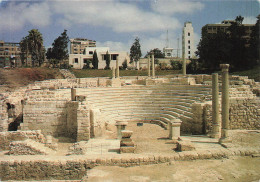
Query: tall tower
point(188, 48)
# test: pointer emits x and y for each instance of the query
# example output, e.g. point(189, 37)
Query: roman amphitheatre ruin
point(61, 129)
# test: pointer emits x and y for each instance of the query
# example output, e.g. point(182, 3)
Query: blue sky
point(116, 23)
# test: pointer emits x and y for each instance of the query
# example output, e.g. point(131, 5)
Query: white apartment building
point(79, 60)
point(188, 49)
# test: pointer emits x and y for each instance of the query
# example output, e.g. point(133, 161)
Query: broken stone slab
point(185, 145)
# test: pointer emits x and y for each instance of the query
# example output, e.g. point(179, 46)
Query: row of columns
point(153, 65)
point(216, 132)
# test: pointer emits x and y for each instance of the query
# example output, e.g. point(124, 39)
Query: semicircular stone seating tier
point(156, 104)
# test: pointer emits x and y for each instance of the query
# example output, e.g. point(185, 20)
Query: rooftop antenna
point(167, 40)
point(178, 47)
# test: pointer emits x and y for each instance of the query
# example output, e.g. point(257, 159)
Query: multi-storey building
point(78, 45)
point(9, 54)
point(188, 49)
point(224, 27)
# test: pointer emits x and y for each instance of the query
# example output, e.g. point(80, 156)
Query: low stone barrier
point(68, 168)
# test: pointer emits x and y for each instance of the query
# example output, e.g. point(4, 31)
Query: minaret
point(188, 40)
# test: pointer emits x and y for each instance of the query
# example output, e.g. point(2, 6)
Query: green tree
point(24, 43)
point(224, 47)
point(95, 60)
point(32, 45)
point(124, 64)
point(157, 53)
point(107, 61)
point(135, 51)
point(254, 48)
point(59, 50)
point(238, 57)
point(36, 47)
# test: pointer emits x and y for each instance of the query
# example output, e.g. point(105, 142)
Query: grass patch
point(252, 73)
point(108, 73)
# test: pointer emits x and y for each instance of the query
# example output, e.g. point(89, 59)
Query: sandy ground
point(232, 169)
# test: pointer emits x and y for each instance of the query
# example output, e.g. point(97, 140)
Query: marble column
point(183, 64)
point(117, 68)
point(153, 66)
point(149, 66)
point(73, 94)
point(113, 72)
point(215, 133)
point(225, 101)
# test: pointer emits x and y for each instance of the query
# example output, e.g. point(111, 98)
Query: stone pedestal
point(73, 94)
point(215, 133)
point(225, 103)
point(120, 126)
point(126, 143)
point(174, 129)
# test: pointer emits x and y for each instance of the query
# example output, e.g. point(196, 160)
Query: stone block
point(127, 143)
point(126, 133)
point(127, 149)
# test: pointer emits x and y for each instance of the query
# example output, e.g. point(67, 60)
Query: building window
point(90, 52)
point(113, 56)
point(85, 61)
point(188, 41)
point(188, 47)
point(188, 52)
point(76, 60)
point(189, 57)
point(188, 33)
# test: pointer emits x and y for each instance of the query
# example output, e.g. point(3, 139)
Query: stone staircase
point(29, 147)
point(154, 104)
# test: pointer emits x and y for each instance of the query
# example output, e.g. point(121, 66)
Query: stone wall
point(7, 137)
point(72, 125)
point(244, 114)
point(83, 122)
point(48, 116)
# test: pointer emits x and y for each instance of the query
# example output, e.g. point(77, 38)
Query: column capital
point(224, 67)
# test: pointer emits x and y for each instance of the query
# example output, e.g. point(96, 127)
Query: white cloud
point(249, 20)
point(115, 46)
point(16, 15)
point(118, 16)
point(176, 6)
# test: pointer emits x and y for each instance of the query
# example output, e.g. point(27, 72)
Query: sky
point(116, 23)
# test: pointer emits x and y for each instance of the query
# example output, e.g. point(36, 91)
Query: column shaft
point(183, 64)
point(149, 66)
point(225, 99)
point(153, 69)
point(215, 107)
point(117, 68)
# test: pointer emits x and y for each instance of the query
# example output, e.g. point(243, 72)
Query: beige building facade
point(78, 61)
